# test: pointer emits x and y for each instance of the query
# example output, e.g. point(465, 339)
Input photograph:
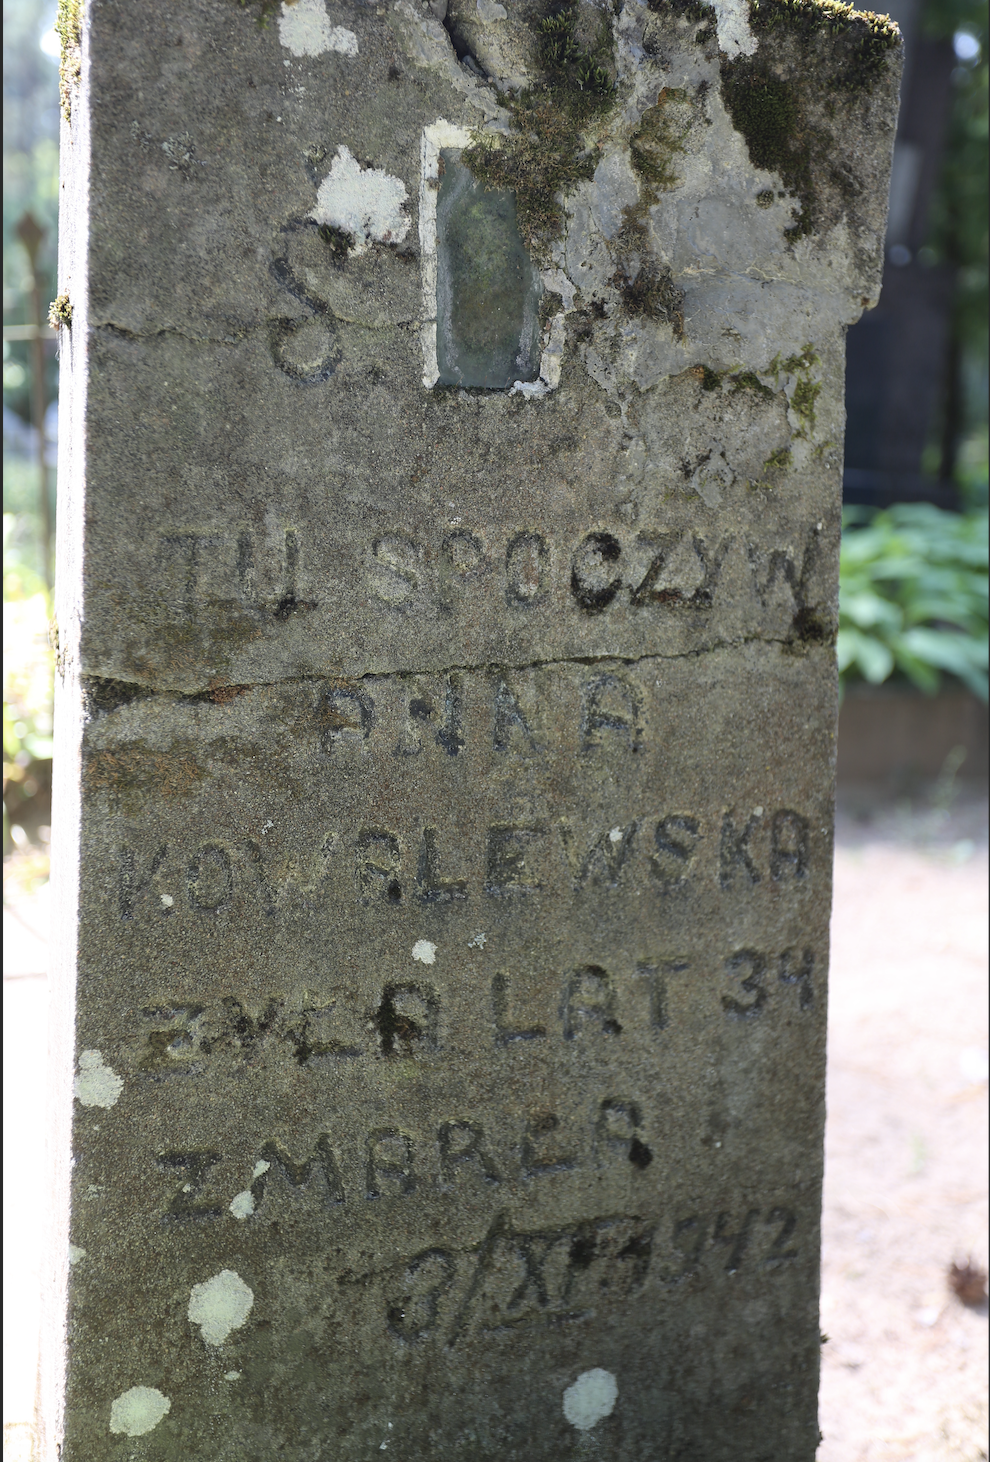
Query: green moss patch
point(60, 311)
point(265, 9)
point(748, 381)
point(806, 393)
point(547, 153)
point(647, 287)
point(338, 240)
point(767, 110)
point(657, 141)
point(773, 95)
point(690, 10)
point(68, 24)
point(859, 40)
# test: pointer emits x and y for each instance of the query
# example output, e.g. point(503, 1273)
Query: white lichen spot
point(219, 1305)
point(734, 35)
point(304, 28)
point(425, 952)
point(232, 1375)
point(76, 1255)
point(167, 900)
point(364, 202)
point(96, 1085)
point(592, 1397)
point(478, 942)
point(757, 811)
point(615, 836)
point(138, 1410)
point(242, 1204)
point(489, 10)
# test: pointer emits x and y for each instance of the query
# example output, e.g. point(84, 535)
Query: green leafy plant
point(913, 596)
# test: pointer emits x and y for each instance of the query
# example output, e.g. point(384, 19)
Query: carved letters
point(408, 1020)
point(387, 866)
point(517, 1276)
point(649, 571)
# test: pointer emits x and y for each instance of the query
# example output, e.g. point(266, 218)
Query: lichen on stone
point(656, 142)
point(60, 311)
point(68, 26)
point(809, 50)
point(548, 149)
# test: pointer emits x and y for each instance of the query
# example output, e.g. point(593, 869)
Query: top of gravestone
point(703, 191)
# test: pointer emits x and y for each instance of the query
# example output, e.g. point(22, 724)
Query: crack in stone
point(222, 694)
point(128, 334)
point(249, 331)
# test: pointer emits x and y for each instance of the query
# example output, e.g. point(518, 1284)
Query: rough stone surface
point(445, 808)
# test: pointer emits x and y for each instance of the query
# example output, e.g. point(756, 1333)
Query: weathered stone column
point(447, 592)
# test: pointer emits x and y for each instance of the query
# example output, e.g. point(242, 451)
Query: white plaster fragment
point(76, 1255)
point(734, 35)
point(425, 952)
point(138, 1410)
point(364, 202)
point(242, 1204)
point(219, 1305)
point(96, 1085)
point(490, 10)
point(592, 1397)
point(304, 29)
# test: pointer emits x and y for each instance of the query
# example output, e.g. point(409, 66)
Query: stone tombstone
point(452, 443)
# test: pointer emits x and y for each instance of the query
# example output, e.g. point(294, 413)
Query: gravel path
point(904, 1372)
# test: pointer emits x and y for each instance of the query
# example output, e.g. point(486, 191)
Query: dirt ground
point(904, 1373)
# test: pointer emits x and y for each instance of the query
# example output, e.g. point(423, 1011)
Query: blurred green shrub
point(913, 596)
